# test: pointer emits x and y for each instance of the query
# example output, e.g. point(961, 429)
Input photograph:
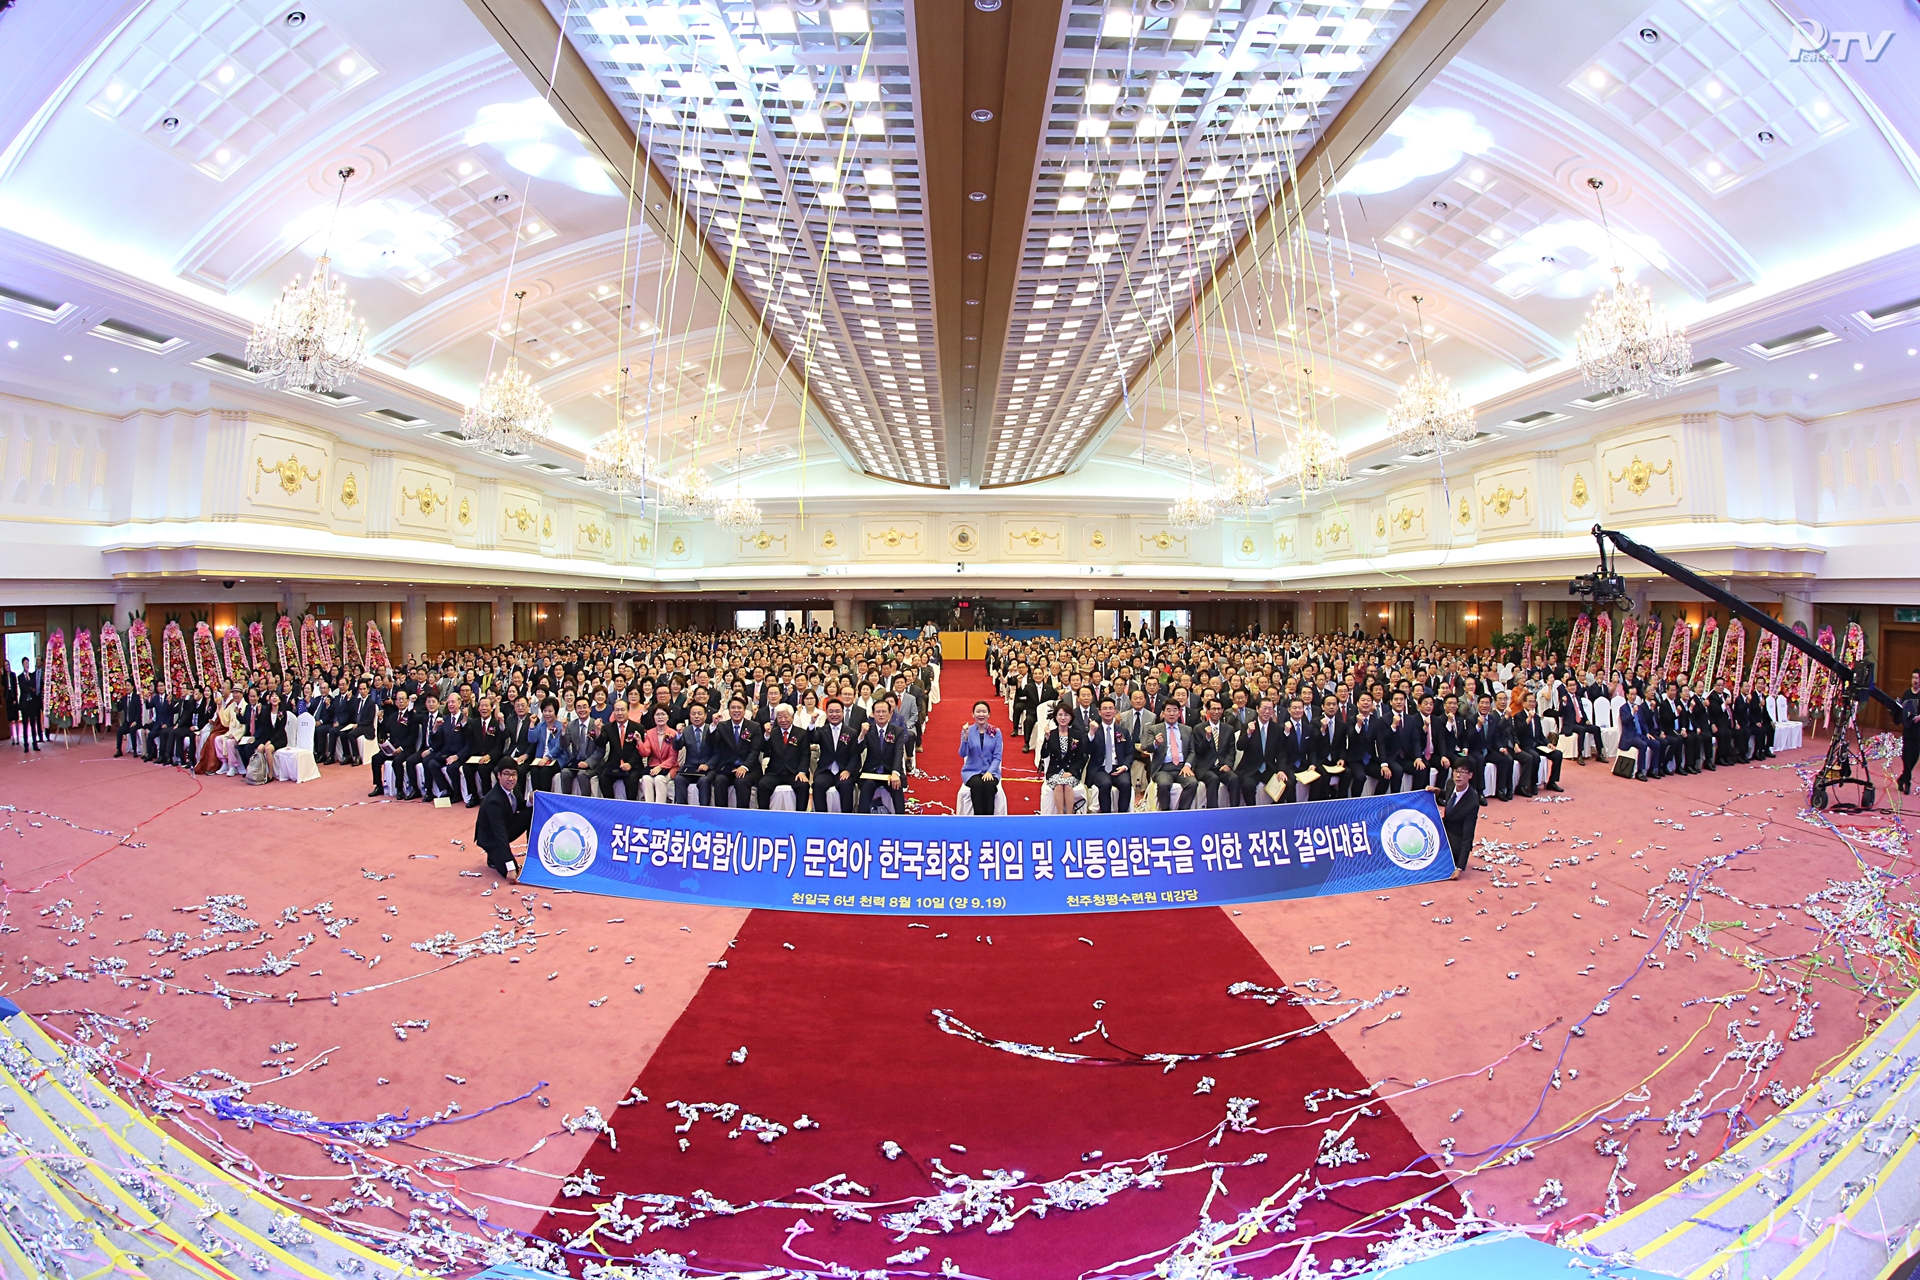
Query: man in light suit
point(1171, 759)
point(583, 751)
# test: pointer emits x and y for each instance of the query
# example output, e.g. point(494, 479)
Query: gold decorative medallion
point(350, 491)
point(679, 547)
point(1639, 477)
point(1098, 540)
point(1247, 548)
point(1502, 500)
point(1379, 526)
point(429, 500)
point(546, 526)
point(1580, 491)
point(466, 510)
point(1466, 511)
point(829, 539)
point(1283, 541)
point(643, 542)
point(963, 538)
point(290, 473)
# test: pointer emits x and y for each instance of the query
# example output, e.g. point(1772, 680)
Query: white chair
point(1042, 723)
point(1787, 735)
point(1086, 796)
point(963, 803)
point(781, 801)
point(294, 762)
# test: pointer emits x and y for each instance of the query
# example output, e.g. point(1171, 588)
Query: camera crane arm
point(1858, 678)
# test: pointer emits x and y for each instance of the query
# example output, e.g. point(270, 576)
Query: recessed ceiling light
point(1858, 367)
point(225, 74)
point(348, 66)
point(66, 357)
point(1813, 377)
point(466, 167)
point(1598, 79)
point(222, 156)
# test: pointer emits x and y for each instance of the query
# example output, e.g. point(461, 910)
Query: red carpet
point(961, 685)
point(837, 1028)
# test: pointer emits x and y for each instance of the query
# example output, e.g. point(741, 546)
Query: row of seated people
point(424, 752)
point(1343, 744)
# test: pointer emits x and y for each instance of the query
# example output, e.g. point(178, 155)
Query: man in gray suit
point(1141, 725)
point(1171, 759)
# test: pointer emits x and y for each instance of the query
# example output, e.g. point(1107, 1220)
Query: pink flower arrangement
point(1679, 648)
point(114, 659)
point(173, 660)
point(376, 649)
point(283, 643)
point(349, 650)
point(58, 681)
point(1709, 651)
point(1733, 654)
point(142, 646)
point(1578, 642)
point(86, 677)
point(235, 653)
point(1603, 641)
point(309, 642)
point(257, 647)
point(326, 642)
point(206, 656)
point(1816, 690)
point(1766, 665)
point(1650, 645)
point(1629, 644)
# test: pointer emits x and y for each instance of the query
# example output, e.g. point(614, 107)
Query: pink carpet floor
point(109, 867)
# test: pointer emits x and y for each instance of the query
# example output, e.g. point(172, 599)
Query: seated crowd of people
point(1259, 720)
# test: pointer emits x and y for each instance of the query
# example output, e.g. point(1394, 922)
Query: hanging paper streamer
point(1603, 642)
point(236, 653)
point(326, 643)
point(376, 650)
point(206, 656)
point(173, 661)
point(58, 695)
point(1709, 651)
point(257, 647)
point(1766, 665)
point(142, 656)
point(350, 650)
point(1675, 667)
point(1578, 640)
point(1733, 654)
point(86, 677)
point(283, 643)
point(309, 642)
point(114, 662)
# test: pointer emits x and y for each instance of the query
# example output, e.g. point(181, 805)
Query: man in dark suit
point(1451, 734)
point(486, 747)
point(1575, 720)
point(1363, 737)
point(620, 755)
point(787, 752)
point(1640, 733)
point(395, 734)
point(501, 821)
point(1676, 747)
point(24, 695)
point(1460, 814)
point(1262, 757)
point(1720, 714)
point(736, 742)
point(1110, 756)
point(1754, 725)
point(1214, 748)
point(160, 713)
point(1533, 744)
point(1301, 751)
point(131, 709)
point(427, 726)
point(1492, 745)
point(1171, 760)
point(1403, 745)
point(446, 748)
point(583, 750)
point(838, 769)
point(883, 758)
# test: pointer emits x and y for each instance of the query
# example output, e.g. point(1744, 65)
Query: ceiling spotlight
point(976, 195)
point(297, 18)
point(981, 115)
point(987, 6)
point(1649, 36)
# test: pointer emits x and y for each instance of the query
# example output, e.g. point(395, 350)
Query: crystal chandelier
point(310, 339)
point(509, 415)
point(1627, 343)
point(1190, 510)
point(737, 511)
point(1244, 486)
point(685, 490)
point(616, 463)
point(1431, 417)
point(1314, 461)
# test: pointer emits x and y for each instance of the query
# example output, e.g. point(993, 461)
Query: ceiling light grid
point(215, 81)
point(791, 134)
point(455, 222)
point(1718, 87)
point(1161, 145)
point(1473, 224)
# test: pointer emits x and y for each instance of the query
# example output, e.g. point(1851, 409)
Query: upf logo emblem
point(1812, 42)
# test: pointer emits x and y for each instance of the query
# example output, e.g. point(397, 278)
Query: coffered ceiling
point(842, 248)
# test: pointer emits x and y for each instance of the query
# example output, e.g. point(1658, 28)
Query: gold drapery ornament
point(1639, 477)
point(429, 500)
point(290, 473)
point(1502, 500)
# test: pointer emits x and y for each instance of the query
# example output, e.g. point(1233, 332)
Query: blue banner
point(880, 864)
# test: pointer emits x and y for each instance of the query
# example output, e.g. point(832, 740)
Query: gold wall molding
point(466, 510)
point(546, 526)
point(1581, 494)
point(964, 539)
point(764, 541)
point(1032, 538)
point(350, 491)
point(291, 473)
point(829, 539)
point(1164, 540)
point(521, 517)
point(679, 547)
point(1466, 512)
point(1407, 515)
point(893, 538)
